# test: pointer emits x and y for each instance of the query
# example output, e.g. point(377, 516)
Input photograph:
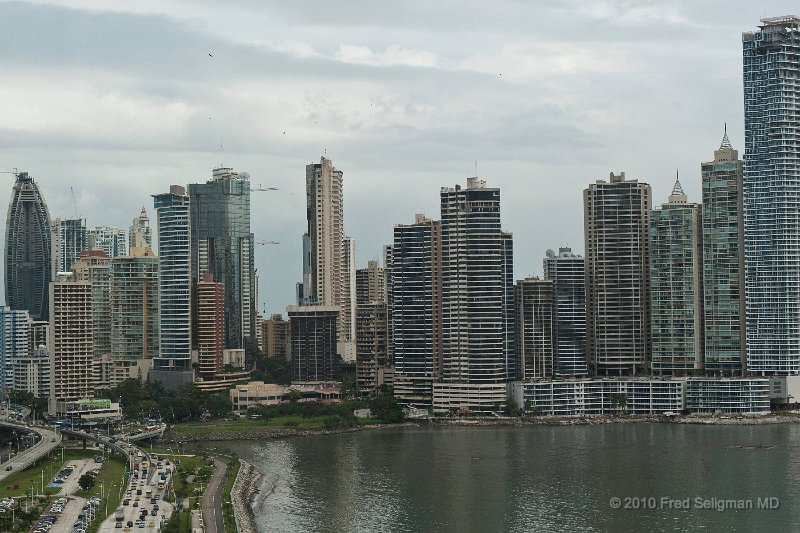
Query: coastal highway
point(48, 440)
point(212, 499)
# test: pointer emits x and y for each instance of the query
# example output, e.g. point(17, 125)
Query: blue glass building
point(771, 59)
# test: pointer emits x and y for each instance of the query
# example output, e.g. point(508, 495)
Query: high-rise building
point(277, 337)
point(113, 241)
point(347, 316)
point(568, 272)
point(331, 255)
point(72, 240)
point(616, 227)
point(372, 354)
point(14, 342)
point(771, 61)
point(475, 299)
point(313, 342)
point(222, 244)
point(71, 346)
point(134, 290)
point(210, 325)
point(533, 298)
point(94, 266)
point(723, 261)
point(32, 373)
point(415, 302)
point(28, 249)
point(676, 285)
point(173, 366)
point(139, 234)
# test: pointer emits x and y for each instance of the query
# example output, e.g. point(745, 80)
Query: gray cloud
point(120, 101)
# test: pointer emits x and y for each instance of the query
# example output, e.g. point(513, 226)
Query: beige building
point(276, 335)
point(372, 328)
point(616, 228)
point(331, 254)
point(71, 346)
point(256, 393)
point(134, 314)
point(210, 334)
point(94, 266)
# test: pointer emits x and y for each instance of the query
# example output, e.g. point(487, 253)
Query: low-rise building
point(255, 393)
point(642, 396)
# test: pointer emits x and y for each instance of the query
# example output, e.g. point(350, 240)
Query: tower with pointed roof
point(723, 261)
point(140, 235)
point(676, 285)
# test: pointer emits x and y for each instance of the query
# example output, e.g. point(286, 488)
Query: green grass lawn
point(294, 421)
point(111, 477)
point(228, 518)
point(32, 476)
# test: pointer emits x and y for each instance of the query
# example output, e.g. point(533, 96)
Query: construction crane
point(262, 188)
point(264, 243)
point(74, 203)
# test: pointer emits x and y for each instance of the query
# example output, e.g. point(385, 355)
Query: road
point(48, 440)
point(132, 513)
point(212, 499)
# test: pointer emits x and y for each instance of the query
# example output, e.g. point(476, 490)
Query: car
point(156, 507)
point(138, 492)
point(138, 498)
point(144, 512)
point(151, 524)
point(118, 525)
point(136, 504)
point(126, 501)
point(9, 468)
point(130, 523)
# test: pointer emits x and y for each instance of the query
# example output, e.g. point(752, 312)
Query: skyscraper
point(134, 314)
point(676, 285)
point(475, 299)
point(533, 298)
point(210, 326)
point(723, 261)
point(372, 355)
point(325, 215)
point(139, 233)
point(331, 254)
point(616, 228)
point(276, 337)
point(222, 244)
point(71, 342)
point(568, 273)
point(72, 240)
point(173, 366)
point(113, 241)
point(415, 306)
point(94, 266)
point(28, 249)
point(771, 195)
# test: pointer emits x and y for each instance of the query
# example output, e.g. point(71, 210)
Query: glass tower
point(568, 272)
point(723, 261)
point(771, 60)
point(172, 366)
point(676, 285)
point(222, 245)
point(28, 249)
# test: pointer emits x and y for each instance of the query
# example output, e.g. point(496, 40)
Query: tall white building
point(113, 241)
point(771, 61)
point(14, 342)
point(173, 365)
point(331, 255)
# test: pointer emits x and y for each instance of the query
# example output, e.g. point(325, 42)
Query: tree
point(387, 409)
point(619, 400)
point(512, 408)
point(86, 481)
point(294, 395)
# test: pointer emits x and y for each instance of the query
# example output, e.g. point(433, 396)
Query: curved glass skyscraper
point(771, 59)
point(28, 247)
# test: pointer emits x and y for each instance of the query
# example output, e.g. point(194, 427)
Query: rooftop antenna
point(74, 203)
point(476, 168)
point(221, 152)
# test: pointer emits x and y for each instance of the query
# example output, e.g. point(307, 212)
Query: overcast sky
point(120, 101)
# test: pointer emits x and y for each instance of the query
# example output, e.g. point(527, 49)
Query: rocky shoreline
point(173, 437)
point(243, 492)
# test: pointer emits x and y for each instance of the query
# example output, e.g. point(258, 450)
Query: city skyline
point(515, 134)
